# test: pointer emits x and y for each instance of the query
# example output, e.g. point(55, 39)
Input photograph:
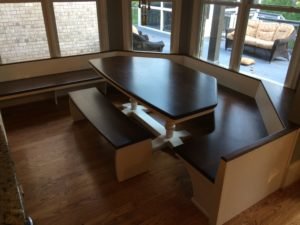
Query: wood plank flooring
point(67, 174)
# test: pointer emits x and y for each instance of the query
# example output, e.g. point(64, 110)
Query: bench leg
point(76, 114)
point(133, 160)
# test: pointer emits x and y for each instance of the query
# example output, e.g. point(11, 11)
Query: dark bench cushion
point(116, 127)
point(43, 82)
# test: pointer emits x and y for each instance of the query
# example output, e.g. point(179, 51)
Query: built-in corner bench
point(47, 84)
point(230, 170)
point(131, 141)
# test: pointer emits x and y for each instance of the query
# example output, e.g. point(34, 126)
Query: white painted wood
point(238, 43)
point(102, 24)
point(51, 29)
point(133, 160)
point(269, 115)
point(127, 23)
point(155, 127)
point(176, 23)
point(243, 181)
point(166, 135)
point(48, 66)
point(230, 79)
point(45, 90)
point(292, 170)
point(206, 194)
point(293, 174)
point(253, 176)
point(176, 58)
point(195, 33)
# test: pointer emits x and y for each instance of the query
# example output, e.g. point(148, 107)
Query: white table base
point(166, 135)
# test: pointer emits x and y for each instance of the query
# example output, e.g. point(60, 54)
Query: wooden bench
point(236, 161)
point(49, 83)
point(131, 141)
point(222, 189)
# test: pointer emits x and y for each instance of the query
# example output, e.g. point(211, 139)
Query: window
point(77, 27)
point(22, 32)
point(217, 22)
point(270, 28)
point(295, 3)
point(269, 42)
point(155, 34)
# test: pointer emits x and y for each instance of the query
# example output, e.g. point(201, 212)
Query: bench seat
point(27, 86)
point(131, 141)
point(236, 162)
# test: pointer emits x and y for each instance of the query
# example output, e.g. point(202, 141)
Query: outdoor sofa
point(141, 42)
point(271, 37)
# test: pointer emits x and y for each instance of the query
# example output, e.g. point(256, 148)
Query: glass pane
point(153, 19)
point(167, 21)
point(77, 27)
point(22, 32)
point(218, 22)
point(154, 35)
point(268, 46)
point(158, 4)
point(168, 5)
point(295, 3)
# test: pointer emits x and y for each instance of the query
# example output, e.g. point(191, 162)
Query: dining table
point(172, 91)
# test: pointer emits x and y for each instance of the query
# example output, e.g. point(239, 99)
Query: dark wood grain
point(115, 126)
point(173, 90)
point(50, 81)
point(67, 174)
point(282, 99)
point(235, 124)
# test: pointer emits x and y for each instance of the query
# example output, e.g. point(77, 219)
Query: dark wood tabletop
point(173, 90)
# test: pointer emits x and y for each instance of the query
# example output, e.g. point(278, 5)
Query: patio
point(262, 69)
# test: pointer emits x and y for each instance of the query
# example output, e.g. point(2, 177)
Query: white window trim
point(127, 25)
point(175, 30)
point(293, 73)
point(51, 29)
point(102, 24)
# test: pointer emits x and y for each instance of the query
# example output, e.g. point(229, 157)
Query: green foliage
point(134, 12)
point(287, 15)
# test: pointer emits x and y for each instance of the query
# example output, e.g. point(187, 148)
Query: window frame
point(242, 20)
point(175, 29)
point(51, 29)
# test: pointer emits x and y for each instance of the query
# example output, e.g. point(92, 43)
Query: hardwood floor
point(67, 174)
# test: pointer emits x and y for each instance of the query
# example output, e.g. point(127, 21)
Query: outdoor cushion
point(283, 31)
point(266, 31)
point(252, 28)
point(264, 44)
point(230, 35)
point(135, 30)
point(250, 40)
point(247, 61)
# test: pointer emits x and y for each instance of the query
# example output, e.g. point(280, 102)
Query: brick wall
point(22, 32)
point(77, 27)
point(23, 36)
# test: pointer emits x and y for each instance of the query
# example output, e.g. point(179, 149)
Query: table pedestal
point(166, 135)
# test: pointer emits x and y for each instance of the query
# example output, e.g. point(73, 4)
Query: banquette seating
point(131, 141)
point(52, 83)
point(272, 37)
